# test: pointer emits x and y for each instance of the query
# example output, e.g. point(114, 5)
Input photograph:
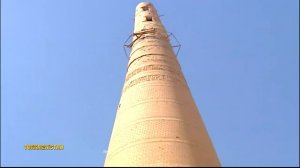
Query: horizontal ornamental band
point(151, 67)
point(156, 77)
point(153, 57)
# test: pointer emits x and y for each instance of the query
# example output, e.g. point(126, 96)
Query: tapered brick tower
point(157, 122)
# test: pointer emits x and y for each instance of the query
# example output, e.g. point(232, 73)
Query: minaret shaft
point(157, 122)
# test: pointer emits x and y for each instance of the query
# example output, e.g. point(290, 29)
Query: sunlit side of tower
point(157, 121)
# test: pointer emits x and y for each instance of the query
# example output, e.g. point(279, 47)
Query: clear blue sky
point(63, 68)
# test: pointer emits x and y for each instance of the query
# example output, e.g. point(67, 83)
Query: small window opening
point(148, 18)
point(145, 8)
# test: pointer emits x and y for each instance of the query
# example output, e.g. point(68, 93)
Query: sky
point(63, 68)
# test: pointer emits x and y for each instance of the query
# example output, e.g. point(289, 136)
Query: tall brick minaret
point(157, 122)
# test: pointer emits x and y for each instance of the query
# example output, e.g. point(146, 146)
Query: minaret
point(157, 121)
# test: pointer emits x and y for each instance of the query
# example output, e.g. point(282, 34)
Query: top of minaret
point(141, 4)
point(144, 6)
point(146, 17)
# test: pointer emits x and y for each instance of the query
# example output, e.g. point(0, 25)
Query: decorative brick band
point(151, 67)
point(155, 58)
point(156, 77)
